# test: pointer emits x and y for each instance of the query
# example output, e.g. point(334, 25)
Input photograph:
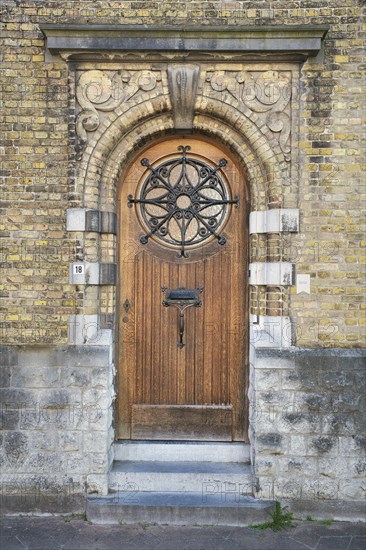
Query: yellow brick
point(26, 317)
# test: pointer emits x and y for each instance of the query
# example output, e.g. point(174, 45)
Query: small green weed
point(68, 517)
point(309, 518)
point(280, 520)
point(325, 521)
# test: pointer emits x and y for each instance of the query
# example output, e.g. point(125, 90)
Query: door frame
point(98, 155)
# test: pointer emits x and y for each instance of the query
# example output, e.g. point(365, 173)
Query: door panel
point(197, 392)
point(182, 422)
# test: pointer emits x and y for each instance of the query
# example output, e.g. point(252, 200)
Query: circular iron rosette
point(183, 201)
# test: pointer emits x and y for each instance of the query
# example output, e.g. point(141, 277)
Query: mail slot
point(182, 296)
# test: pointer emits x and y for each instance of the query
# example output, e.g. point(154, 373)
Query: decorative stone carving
point(99, 91)
point(280, 122)
point(183, 81)
point(266, 93)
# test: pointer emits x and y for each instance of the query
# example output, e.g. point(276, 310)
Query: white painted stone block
point(75, 219)
point(77, 273)
point(81, 273)
point(92, 271)
point(257, 222)
point(85, 330)
point(289, 220)
point(271, 273)
point(277, 220)
point(271, 332)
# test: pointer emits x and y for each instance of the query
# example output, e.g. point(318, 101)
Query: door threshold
point(188, 451)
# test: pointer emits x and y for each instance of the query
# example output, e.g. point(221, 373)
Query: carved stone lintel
point(181, 56)
point(300, 41)
point(183, 81)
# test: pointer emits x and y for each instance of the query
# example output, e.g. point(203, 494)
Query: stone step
point(203, 477)
point(175, 508)
point(181, 451)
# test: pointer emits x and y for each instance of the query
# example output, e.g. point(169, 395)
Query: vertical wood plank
point(200, 347)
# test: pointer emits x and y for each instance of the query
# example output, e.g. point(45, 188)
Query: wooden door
point(182, 224)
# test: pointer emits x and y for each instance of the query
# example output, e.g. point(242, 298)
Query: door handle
point(182, 298)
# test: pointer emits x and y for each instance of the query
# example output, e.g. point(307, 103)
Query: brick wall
point(35, 246)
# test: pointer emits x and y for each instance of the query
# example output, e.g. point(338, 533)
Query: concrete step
point(203, 477)
point(175, 508)
point(200, 451)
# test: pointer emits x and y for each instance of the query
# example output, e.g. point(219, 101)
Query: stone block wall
point(308, 434)
point(55, 414)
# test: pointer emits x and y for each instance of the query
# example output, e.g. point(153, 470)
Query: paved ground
point(51, 533)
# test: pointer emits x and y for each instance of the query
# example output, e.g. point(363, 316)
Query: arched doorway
point(183, 368)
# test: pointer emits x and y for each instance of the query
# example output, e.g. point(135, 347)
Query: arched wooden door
point(182, 227)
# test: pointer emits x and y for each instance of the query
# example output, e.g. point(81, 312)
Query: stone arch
point(155, 128)
point(117, 140)
point(109, 136)
point(261, 172)
point(264, 151)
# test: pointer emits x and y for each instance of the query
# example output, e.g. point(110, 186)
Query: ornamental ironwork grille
point(183, 202)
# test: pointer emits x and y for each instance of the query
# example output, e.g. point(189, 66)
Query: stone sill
point(33, 355)
point(294, 43)
point(295, 352)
